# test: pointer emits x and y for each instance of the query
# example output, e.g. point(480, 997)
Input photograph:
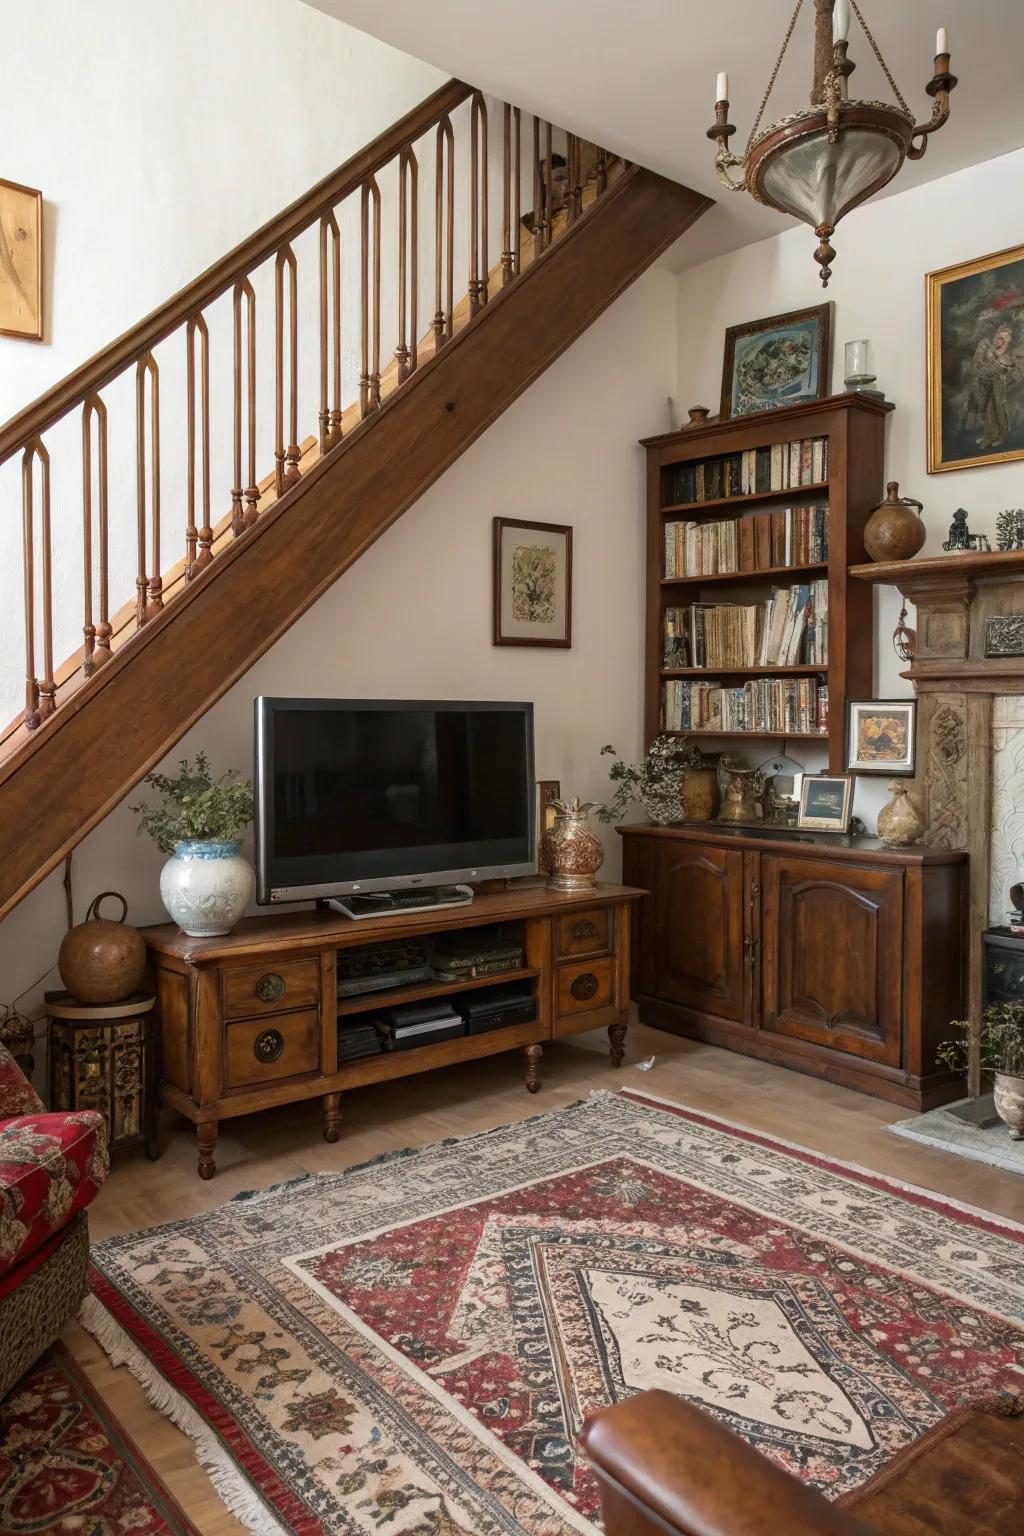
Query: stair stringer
point(61, 783)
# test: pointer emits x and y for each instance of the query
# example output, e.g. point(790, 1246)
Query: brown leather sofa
point(667, 1469)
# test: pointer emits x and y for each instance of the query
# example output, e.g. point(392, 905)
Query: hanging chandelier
point(820, 161)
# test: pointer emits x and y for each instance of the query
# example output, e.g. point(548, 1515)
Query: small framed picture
point(21, 261)
point(782, 360)
point(881, 736)
point(825, 801)
point(548, 791)
point(532, 583)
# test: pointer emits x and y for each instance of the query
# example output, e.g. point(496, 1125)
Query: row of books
point(788, 629)
point(789, 706)
point(782, 467)
point(760, 541)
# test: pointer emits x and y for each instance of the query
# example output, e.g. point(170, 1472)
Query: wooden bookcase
point(855, 429)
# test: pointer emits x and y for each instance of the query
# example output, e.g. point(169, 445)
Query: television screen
point(364, 795)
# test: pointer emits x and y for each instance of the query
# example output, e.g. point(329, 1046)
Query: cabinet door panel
point(699, 929)
point(832, 936)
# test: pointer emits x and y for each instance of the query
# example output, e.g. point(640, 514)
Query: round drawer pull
point(268, 1045)
point(270, 987)
point(584, 987)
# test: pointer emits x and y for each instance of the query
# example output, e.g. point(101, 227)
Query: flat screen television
point(358, 795)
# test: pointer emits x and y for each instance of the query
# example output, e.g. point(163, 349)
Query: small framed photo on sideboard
point(881, 736)
point(825, 801)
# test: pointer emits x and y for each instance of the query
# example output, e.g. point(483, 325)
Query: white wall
point(883, 252)
point(413, 616)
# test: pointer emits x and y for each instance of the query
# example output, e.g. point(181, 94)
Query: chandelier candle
point(820, 161)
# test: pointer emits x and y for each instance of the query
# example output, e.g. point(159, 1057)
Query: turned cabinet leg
point(206, 1144)
point(533, 1054)
point(331, 1104)
point(617, 1038)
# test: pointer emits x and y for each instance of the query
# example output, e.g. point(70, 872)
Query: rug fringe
point(237, 1492)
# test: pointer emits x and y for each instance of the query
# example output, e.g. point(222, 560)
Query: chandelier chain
point(775, 71)
point(878, 55)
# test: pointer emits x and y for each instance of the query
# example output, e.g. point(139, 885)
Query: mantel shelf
point(957, 568)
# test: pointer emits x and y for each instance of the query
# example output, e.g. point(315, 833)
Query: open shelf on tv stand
point(250, 1020)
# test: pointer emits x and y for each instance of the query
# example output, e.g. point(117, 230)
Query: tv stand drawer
point(272, 986)
point(264, 1050)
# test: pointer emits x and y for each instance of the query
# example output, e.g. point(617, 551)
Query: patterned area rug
point(67, 1467)
point(413, 1345)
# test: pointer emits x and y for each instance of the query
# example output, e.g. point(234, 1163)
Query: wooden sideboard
point(251, 1020)
point(833, 955)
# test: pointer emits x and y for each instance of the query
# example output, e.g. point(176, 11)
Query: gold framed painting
point(532, 583)
point(976, 362)
point(21, 261)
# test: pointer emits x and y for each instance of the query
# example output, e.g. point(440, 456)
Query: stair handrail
point(110, 361)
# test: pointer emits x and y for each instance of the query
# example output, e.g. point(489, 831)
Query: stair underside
point(58, 782)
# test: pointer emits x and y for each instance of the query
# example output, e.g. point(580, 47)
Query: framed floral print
point(783, 360)
point(532, 583)
point(976, 362)
point(881, 736)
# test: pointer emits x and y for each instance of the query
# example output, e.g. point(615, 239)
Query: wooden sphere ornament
point(102, 960)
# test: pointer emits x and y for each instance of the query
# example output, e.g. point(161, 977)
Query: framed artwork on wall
point(532, 583)
point(881, 736)
point(825, 801)
point(21, 261)
point(976, 362)
point(783, 360)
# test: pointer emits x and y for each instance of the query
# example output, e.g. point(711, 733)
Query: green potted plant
point(657, 783)
point(198, 820)
point(1002, 1054)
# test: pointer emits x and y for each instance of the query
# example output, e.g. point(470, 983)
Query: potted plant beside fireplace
point(1002, 1055)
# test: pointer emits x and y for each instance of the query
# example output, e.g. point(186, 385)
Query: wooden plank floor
point(264, 1149)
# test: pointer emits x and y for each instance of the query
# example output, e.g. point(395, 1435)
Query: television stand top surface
point(307, 929)
point(426, 898)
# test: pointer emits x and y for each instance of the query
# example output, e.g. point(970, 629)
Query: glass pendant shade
point(818, 182)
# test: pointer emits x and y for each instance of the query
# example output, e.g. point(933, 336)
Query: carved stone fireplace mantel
point(970, 734)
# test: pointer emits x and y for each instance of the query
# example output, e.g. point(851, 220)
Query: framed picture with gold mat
point(21, 261)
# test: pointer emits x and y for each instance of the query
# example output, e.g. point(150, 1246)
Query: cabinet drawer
point(263, 1050)
point(583, 933)
point(274, 986)
point(585, 986)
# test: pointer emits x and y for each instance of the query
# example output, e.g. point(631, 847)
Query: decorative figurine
point(961, 537)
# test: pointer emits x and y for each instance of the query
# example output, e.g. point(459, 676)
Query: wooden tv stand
point(251, 1020)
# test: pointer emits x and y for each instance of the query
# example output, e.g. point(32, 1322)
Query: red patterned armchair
point(51, 1167)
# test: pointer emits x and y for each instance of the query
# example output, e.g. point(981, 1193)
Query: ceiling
point(640, 77)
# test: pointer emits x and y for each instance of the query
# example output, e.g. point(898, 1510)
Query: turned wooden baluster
point(601, 169)
point(39, 692)
point(538, 194)
point(444, 234)
point(197, 559)
point(547, 222)
point(574, 168)
point(149, 593)
point(369, 377)
point(97, 636)
point(240, 520)
point(288, 472)
point(511, 195)
point(330, 333)
point(477, 204)
point(408, 244)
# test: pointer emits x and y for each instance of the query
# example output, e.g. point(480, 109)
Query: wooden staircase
point(145, 673)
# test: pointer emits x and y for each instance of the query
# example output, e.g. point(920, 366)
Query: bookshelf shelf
point(855, 431)
point(770, 572)
point(794, 493)
point(756, 735)
point(805, 669)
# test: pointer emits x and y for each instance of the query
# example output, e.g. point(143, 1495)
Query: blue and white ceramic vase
point(206, 885)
